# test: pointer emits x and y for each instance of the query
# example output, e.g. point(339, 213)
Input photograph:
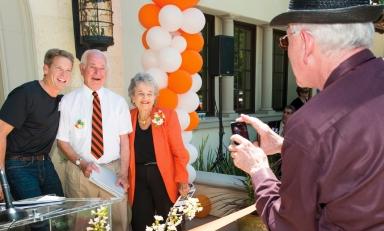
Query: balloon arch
point(172, 42)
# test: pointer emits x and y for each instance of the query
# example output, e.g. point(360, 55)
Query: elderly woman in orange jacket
point(157, 166)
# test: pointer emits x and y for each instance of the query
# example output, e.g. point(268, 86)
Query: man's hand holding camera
point(249, 156)
point(270, 142)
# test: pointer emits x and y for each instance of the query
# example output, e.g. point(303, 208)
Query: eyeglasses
point(283, 42)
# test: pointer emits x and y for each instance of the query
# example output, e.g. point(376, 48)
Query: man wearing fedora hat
point(333, 149)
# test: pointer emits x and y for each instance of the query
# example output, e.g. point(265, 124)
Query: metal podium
point(56, 213)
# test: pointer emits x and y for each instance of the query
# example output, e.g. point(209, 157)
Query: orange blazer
point(171, 155)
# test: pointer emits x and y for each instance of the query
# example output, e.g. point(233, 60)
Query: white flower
point(100, 221)
point(175, 216)
point(158, 218)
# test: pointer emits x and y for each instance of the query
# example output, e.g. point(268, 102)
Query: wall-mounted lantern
point(92, 24)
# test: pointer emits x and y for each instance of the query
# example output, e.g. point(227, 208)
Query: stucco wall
point(378, 44)
point(17, 53)
point(53, 27)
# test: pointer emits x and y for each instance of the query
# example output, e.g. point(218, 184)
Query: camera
point(240, 128)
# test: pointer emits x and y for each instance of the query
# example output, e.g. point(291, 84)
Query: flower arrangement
point(100, 221)
point(79, 124)
point(188, 209)
point(158, 118)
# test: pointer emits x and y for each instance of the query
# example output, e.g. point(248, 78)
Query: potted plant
point(228, 202)
point(250, 222)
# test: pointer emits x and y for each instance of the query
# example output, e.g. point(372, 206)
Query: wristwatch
point(77, 162)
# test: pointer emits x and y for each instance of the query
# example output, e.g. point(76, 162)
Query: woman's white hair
point(334, 38)
point(142, 77)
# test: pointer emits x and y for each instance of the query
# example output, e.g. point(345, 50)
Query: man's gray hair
point(84, 57)
point(142, 77)
point(334, 38)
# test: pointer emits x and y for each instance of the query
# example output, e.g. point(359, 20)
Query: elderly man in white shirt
point(93, 130)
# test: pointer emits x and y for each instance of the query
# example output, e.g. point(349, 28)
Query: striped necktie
point(97, 146)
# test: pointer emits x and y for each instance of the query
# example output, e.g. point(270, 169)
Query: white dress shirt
point(76, 122)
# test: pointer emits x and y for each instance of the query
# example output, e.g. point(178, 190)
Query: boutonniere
point(158, 118)
point(79, 124)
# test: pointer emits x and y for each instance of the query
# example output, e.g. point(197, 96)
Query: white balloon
point(169, 59)
point(193, 20)
point(170, 17)
point(179, 43)
point(157, 38)
point(183, 118)
point(196, 82)
point(188, 101)
point(191, 173)
point(149, 59)
point(159, 76)
point(187, 136)
point(193, 153)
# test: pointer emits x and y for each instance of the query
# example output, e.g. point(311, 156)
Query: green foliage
point(378, 1)
point(275, 164)
point(200, 164)
point(231, 203)
point(247, 183)
point(227, 202)
point(206, 159)
point(225, 166)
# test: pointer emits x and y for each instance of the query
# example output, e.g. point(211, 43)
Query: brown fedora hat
point(328, 11)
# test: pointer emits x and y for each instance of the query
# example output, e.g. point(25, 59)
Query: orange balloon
point(144, 39)
point(149, 15)
point(193, 121)
point(179, 81)
point(206, 204)
point(182, 4)
point(194, 41)
point(167, 99)
point(191, 61)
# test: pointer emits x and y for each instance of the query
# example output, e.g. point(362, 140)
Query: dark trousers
point(31, 179)
point(150, 198)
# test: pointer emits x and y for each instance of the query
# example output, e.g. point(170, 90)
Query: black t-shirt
point(35, 117)
point(144, 148)
point(297, 103)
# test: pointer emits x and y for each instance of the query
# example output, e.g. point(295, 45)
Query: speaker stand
point(220, 155)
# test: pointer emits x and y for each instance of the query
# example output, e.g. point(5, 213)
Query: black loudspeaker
point(221, 57)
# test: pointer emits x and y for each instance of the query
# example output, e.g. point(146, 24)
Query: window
point(207, 90)
point(244, 67)
point(279, 73)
